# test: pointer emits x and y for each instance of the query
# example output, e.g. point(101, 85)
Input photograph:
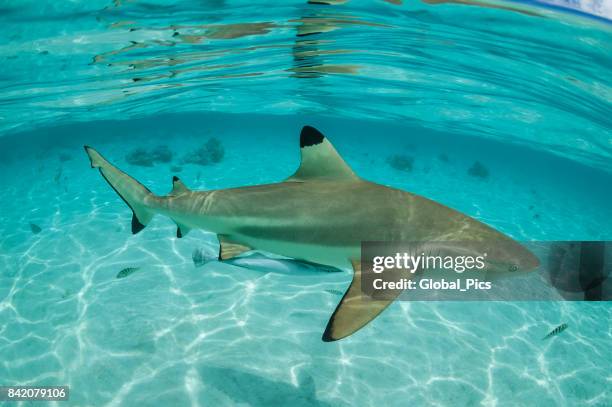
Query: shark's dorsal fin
point(355, 310)
point(320, 160)
point(178, 187)
point(229, 249)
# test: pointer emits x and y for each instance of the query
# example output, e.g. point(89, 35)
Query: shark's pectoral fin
point(355, 310)
point(320, 160)
point(229, 249)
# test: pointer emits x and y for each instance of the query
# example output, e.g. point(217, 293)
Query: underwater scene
point(203, 248)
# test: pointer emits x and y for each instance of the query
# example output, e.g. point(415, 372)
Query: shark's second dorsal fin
point(178, 187)
point(320, 160)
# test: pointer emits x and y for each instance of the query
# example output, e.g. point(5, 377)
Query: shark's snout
point(518, 258)
point(510, 258)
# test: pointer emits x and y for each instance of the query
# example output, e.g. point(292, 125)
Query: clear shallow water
point(222, 335)
point(447, 85)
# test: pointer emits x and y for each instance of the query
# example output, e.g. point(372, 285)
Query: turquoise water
point(523, 91)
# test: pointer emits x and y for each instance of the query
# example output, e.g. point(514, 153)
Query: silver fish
point(127, 271)
point(556, 331)
point(35, 228)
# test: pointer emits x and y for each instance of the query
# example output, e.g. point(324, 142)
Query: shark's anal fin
point(319, 159)
point(355, 310)
point(229, 249)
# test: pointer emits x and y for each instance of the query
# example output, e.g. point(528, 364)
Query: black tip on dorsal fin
point(310, 137)
point(319, 159)
point(175, 178)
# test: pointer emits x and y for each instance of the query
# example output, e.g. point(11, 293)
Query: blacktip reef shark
point(320, 214)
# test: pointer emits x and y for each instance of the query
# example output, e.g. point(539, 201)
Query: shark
point(320, 214)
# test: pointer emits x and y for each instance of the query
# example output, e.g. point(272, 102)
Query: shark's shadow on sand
point(254, 390)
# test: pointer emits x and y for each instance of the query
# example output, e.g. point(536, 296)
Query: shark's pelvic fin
point(133, 193)
point(178, 187)
point(320, 160)
point(181, 230)
point(354, 311)
point(229, 249)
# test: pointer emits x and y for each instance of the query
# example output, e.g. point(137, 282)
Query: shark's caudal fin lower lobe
point(133, 193)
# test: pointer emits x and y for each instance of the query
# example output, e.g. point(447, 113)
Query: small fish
point(58, 175)
point(335, 292)
point(127, 271)
point(63, 157)
point(556, 331)
point(35, 228)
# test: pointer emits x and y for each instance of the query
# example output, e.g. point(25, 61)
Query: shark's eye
point(513, 267)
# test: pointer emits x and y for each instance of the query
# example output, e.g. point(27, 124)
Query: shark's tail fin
point(135, 195)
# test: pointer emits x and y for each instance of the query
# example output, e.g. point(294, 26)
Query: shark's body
point(321, 215)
